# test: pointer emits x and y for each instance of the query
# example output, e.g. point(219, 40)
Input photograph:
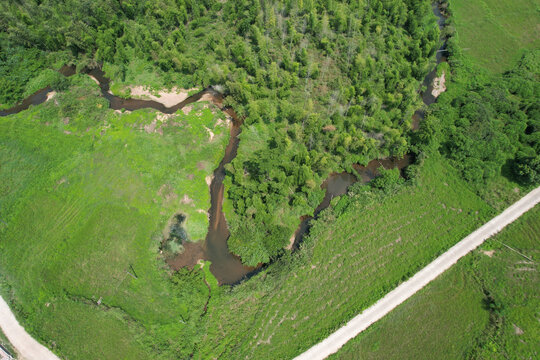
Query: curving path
point(27, 347)
point(404, 291)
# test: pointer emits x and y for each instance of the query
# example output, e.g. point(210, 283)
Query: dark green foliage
point(527, 166)
point(17, 67)
point(485, 121)
point(388, 179)
point(357, 251)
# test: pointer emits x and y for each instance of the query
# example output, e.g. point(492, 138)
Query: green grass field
point(86, 193)
point(485, 307)
point(347, 263)
point(494, 32)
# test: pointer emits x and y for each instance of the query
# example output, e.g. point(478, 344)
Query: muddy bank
point(131, 104)
point(167, 98)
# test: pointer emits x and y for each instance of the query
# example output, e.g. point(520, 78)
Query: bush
point(387, 180)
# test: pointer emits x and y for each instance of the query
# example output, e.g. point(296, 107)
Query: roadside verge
point(408, 288)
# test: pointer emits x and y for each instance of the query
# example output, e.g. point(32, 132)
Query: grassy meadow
point(353, 256)
point(85, 195)
point(494, 33)
point(482, 308)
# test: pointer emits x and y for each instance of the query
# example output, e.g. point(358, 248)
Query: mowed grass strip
point(494, 32)
point(347, 264)
point(451, 319)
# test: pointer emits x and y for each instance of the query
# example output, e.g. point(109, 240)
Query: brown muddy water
point(337, 184)
point(39, 96)
point(225, 266)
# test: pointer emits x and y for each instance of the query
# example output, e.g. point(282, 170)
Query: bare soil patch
point(488, 252)
point(167, 98)
point(439, 86)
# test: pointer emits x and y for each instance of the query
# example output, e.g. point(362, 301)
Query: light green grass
point(347, 264)
point(86, 194)
point(439, 322)
point(494, 32)
point(450, 319)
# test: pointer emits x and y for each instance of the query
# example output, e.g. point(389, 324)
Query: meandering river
point(338, 183)
point(227, 267)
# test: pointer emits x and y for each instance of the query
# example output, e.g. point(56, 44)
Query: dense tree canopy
point(485, 122)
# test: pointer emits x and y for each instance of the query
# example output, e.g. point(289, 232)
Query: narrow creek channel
point(227, 267)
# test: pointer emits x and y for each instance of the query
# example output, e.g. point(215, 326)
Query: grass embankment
point(7, 345)
point(495, 32)
point(347, 263)
point(483, 308)
point(85, 194)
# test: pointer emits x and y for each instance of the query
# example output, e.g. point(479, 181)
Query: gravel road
point(26, 346)
point(408, 288)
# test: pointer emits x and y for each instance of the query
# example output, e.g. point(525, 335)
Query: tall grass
point(86, 194)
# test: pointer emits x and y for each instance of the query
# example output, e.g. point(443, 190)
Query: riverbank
point(355, 253)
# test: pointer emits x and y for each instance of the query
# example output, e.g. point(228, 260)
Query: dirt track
point(26, 346)
point(404, 291)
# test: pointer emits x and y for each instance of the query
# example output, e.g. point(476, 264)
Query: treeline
point(324, 83)
point(488, 125)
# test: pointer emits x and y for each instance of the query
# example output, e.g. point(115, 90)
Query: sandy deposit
point(211, 133)
point(167, 98)
point(93, 78)
point(438, 86)
point(50, 95)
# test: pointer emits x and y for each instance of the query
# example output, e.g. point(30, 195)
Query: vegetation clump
point(177, 235)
